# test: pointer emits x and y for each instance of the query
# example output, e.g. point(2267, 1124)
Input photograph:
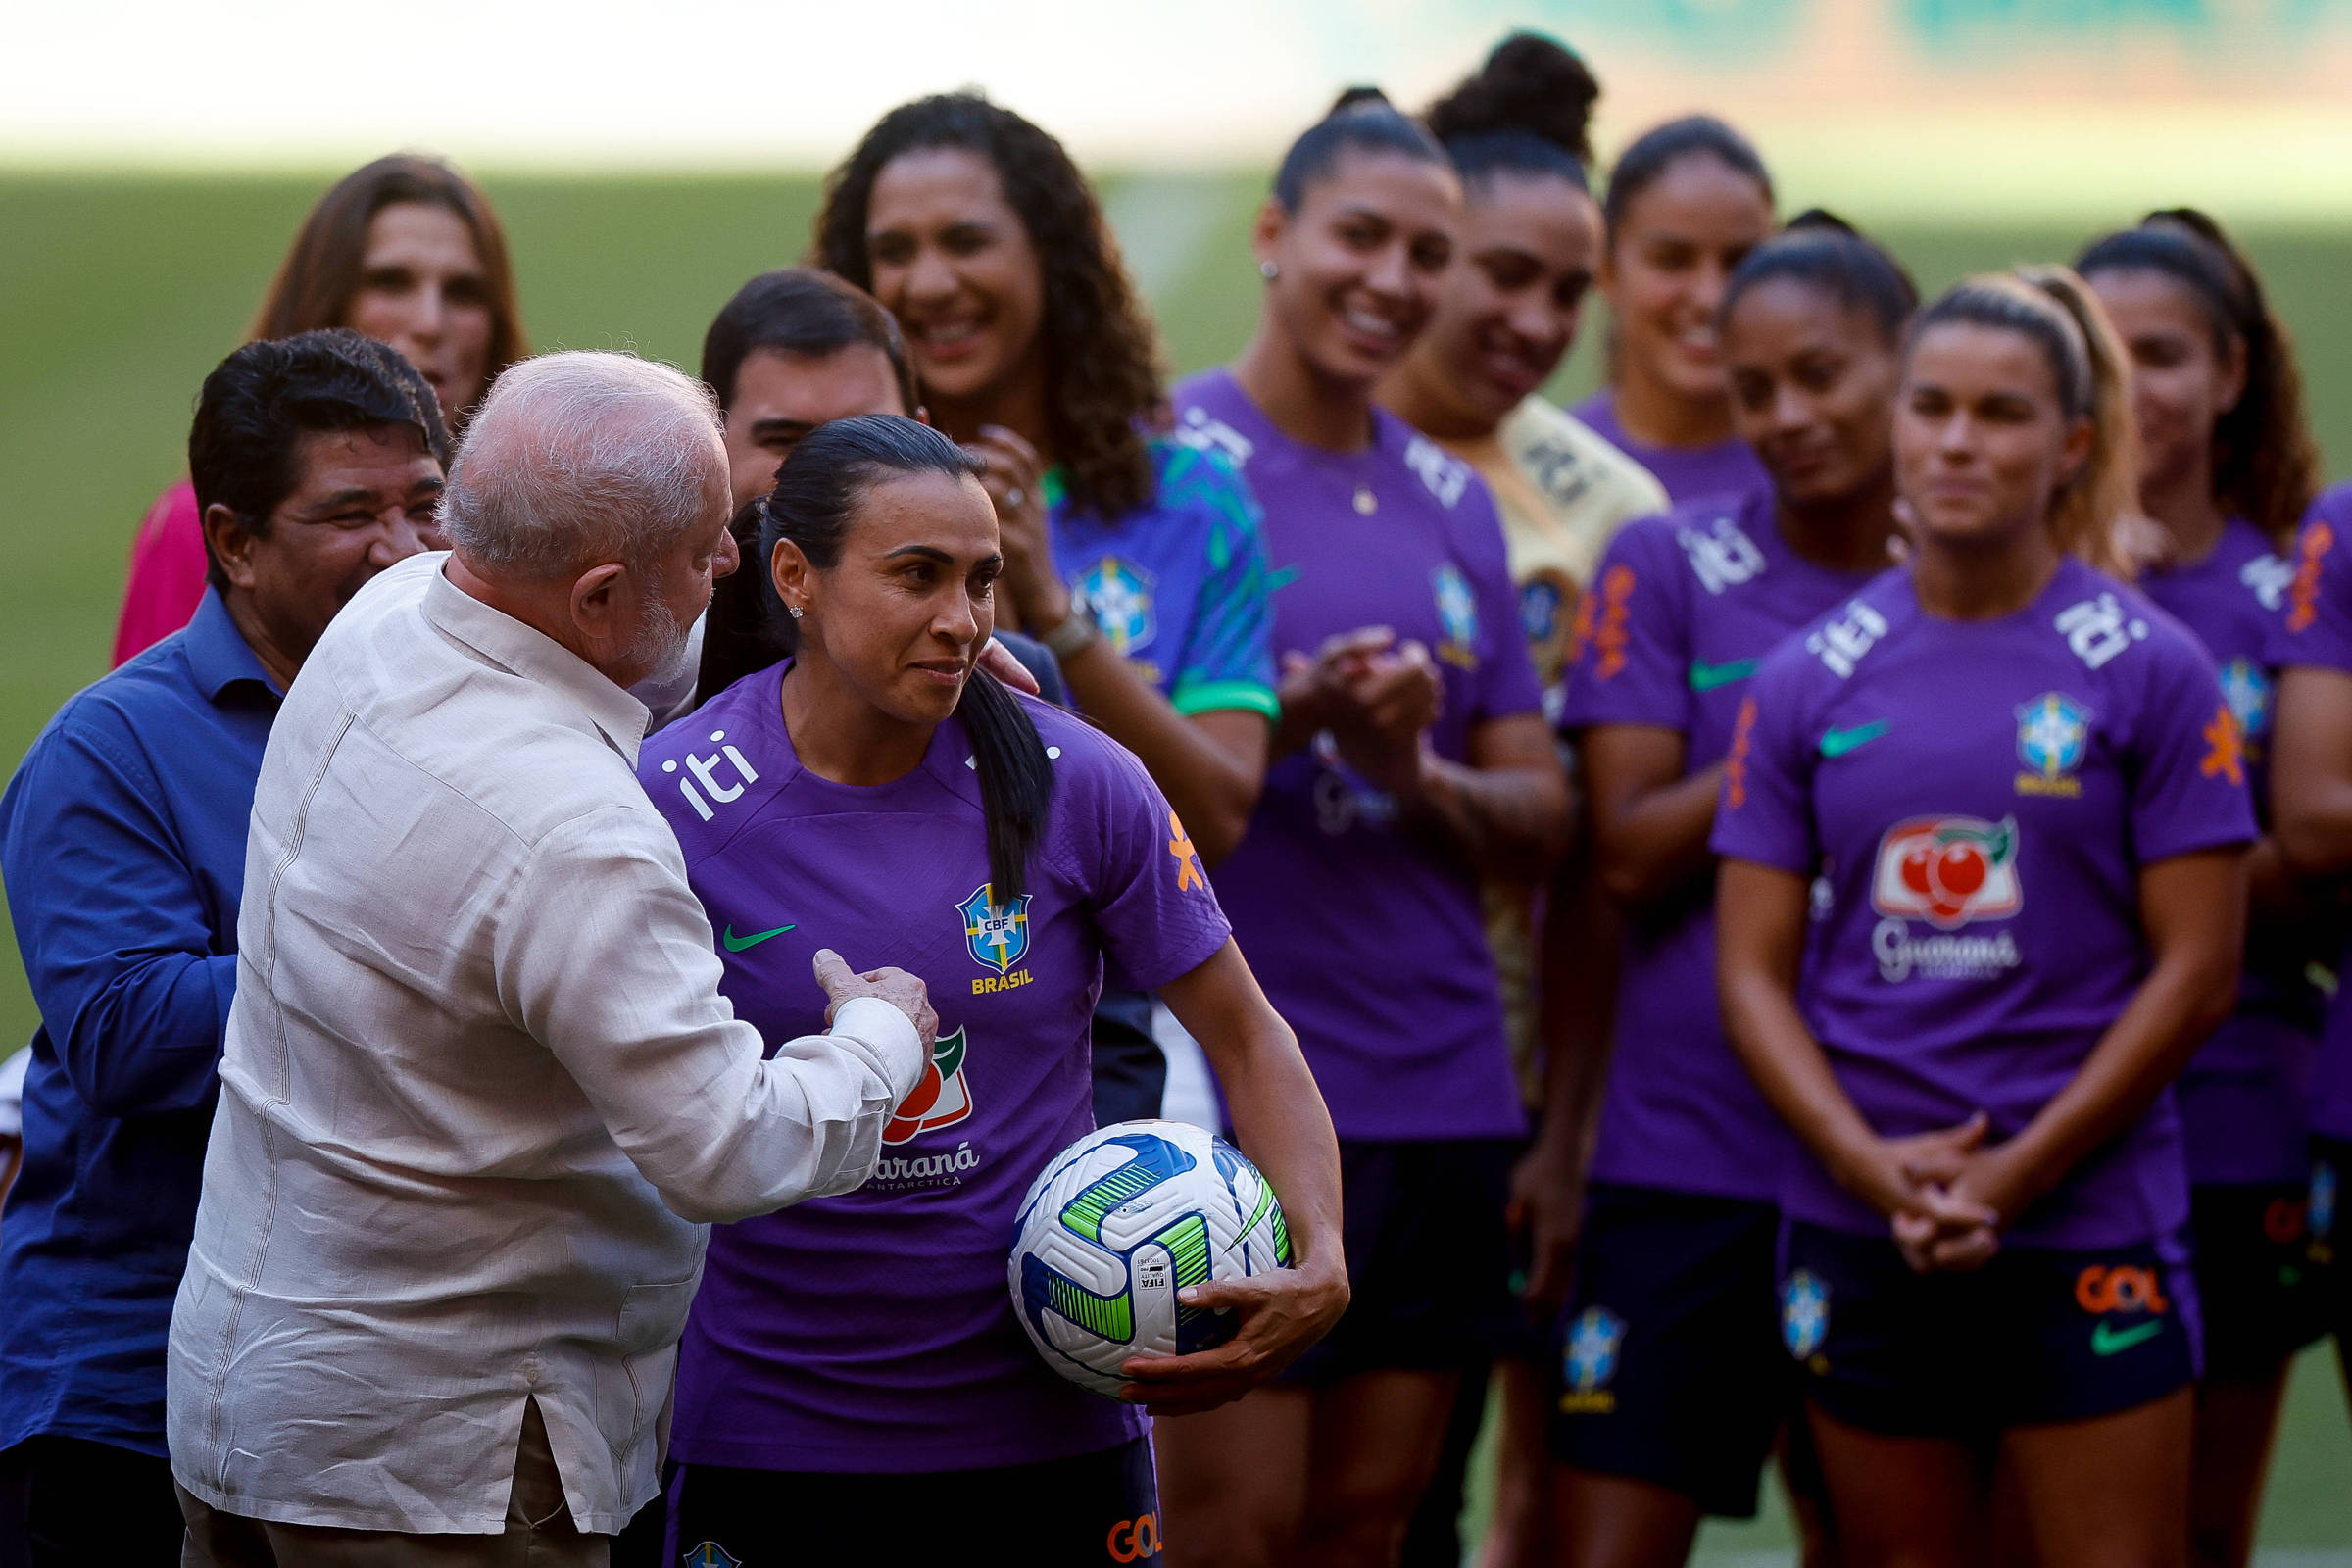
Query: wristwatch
point(1074, 636)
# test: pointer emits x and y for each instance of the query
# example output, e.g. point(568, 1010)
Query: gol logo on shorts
point(2126, 1287)
point(1134, 1540)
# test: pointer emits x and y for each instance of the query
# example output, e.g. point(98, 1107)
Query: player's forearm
point(1510, 822)
point(1211, 789)
point(1580, 968)
point(1654, 845)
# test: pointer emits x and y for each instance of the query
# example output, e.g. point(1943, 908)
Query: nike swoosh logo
point(735, 944)
point(1839, 742)
point(1711, 677)
point(2107, 1340)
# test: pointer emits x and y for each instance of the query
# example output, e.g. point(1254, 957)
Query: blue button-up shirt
point(123, 846)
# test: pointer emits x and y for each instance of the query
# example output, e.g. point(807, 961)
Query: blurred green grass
point(119, 293)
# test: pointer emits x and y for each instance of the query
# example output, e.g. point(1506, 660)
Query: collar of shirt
point(530, 653)
point(218, 654)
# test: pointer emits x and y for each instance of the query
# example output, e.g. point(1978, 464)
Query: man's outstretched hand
point(897, 987)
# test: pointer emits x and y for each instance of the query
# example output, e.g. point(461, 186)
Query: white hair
point(579, 458)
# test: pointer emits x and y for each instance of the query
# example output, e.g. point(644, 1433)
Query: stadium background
point(155, 158)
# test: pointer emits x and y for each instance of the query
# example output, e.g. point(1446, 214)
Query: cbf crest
point(1457, 615)
point(2053, 736)
point(1118, 595)
point(2247, 686)
point(1589, 1360)
point(1804, 1313)
point(998, 934)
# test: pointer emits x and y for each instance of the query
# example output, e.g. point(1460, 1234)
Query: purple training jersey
point(1688, 473)
point(871, 1331)
point(2316, 632)
point(1680, 612)
point(1370, 940)
point(2246, 1096)
point(1979, 797)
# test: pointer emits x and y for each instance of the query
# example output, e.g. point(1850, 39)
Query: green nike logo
point(1708, 677)
point(736, 943)
point(1839, 742)
point(2107, 1338)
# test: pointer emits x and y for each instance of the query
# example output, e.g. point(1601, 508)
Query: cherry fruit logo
point(1948, 871)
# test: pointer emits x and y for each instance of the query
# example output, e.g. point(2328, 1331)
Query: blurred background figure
point(2226, 471)
point(1686, 201)
point(406, 251)
point(316, 461)
point(1506, 315)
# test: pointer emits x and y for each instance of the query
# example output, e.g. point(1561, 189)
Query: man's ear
point(230, 542)
point(602, 607)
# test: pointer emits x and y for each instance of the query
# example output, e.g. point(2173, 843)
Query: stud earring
point(793, 611)
point(1269, 270)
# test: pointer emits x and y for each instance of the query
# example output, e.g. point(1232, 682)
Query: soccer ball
point(1119, 1221)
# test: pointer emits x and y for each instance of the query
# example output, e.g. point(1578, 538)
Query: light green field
point(116, 295)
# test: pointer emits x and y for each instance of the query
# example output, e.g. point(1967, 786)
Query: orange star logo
point(1734, 768)
point(2303, 594)
point(2228, 757)
point(1188, 869)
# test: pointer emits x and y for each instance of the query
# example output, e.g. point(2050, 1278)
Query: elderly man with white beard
point(480, 1093)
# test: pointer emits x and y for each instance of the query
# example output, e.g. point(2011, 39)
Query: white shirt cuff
point(890, 1036)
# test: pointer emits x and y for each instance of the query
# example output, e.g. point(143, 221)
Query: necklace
point(1366, 503)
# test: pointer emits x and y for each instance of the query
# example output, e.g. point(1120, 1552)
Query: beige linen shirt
point(479, 1094)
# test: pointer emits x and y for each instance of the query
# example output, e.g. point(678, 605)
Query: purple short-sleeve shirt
point(1978, 798)
point(1682, 610)
point(1370, 941)
point(1688, 473)
point(2246, 1096)
point(872, 1332)
point(2316, 631)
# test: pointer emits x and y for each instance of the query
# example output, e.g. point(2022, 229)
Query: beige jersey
point(1563, 493)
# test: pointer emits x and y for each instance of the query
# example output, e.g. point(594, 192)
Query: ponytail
point(2091, 515)
point(2265, 467)
point(813, 504)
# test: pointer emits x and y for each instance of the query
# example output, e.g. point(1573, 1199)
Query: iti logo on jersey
point(1723, 556)
point(1457, 613)
point(1590, 1359)
point(1804, 1313)
point(998, 934)
point(2053, 736)
point(941, 1100)
point(1118, 595)
point(1948, 872)
point(704, 769)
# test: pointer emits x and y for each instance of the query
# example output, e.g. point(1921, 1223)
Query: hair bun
point(1357, 98)
point(1819, 219)
point(1528, 83)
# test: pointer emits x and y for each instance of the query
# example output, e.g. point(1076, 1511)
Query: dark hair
point(1360, 119)
point(321, 275)
point(2054, 310)
point(1824, 251)
point(2265, 467)
point(818, 492)
point(1527, 110)
point(260, 402)
point(804, 313)
point(1101, 356)
point(1656, 151)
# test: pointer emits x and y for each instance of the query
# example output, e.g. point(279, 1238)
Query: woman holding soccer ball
point(857, 1357)
point(2022, 795)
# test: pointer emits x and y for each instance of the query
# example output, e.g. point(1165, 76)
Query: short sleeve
point(1151, 898)
point(1227, 662)
point(1507, 669)
point(1765, 812)
point(2187, 784)
point(1632, 645)
point(2315, 627)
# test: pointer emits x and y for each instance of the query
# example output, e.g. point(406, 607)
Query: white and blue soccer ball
point(1115, 1225)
